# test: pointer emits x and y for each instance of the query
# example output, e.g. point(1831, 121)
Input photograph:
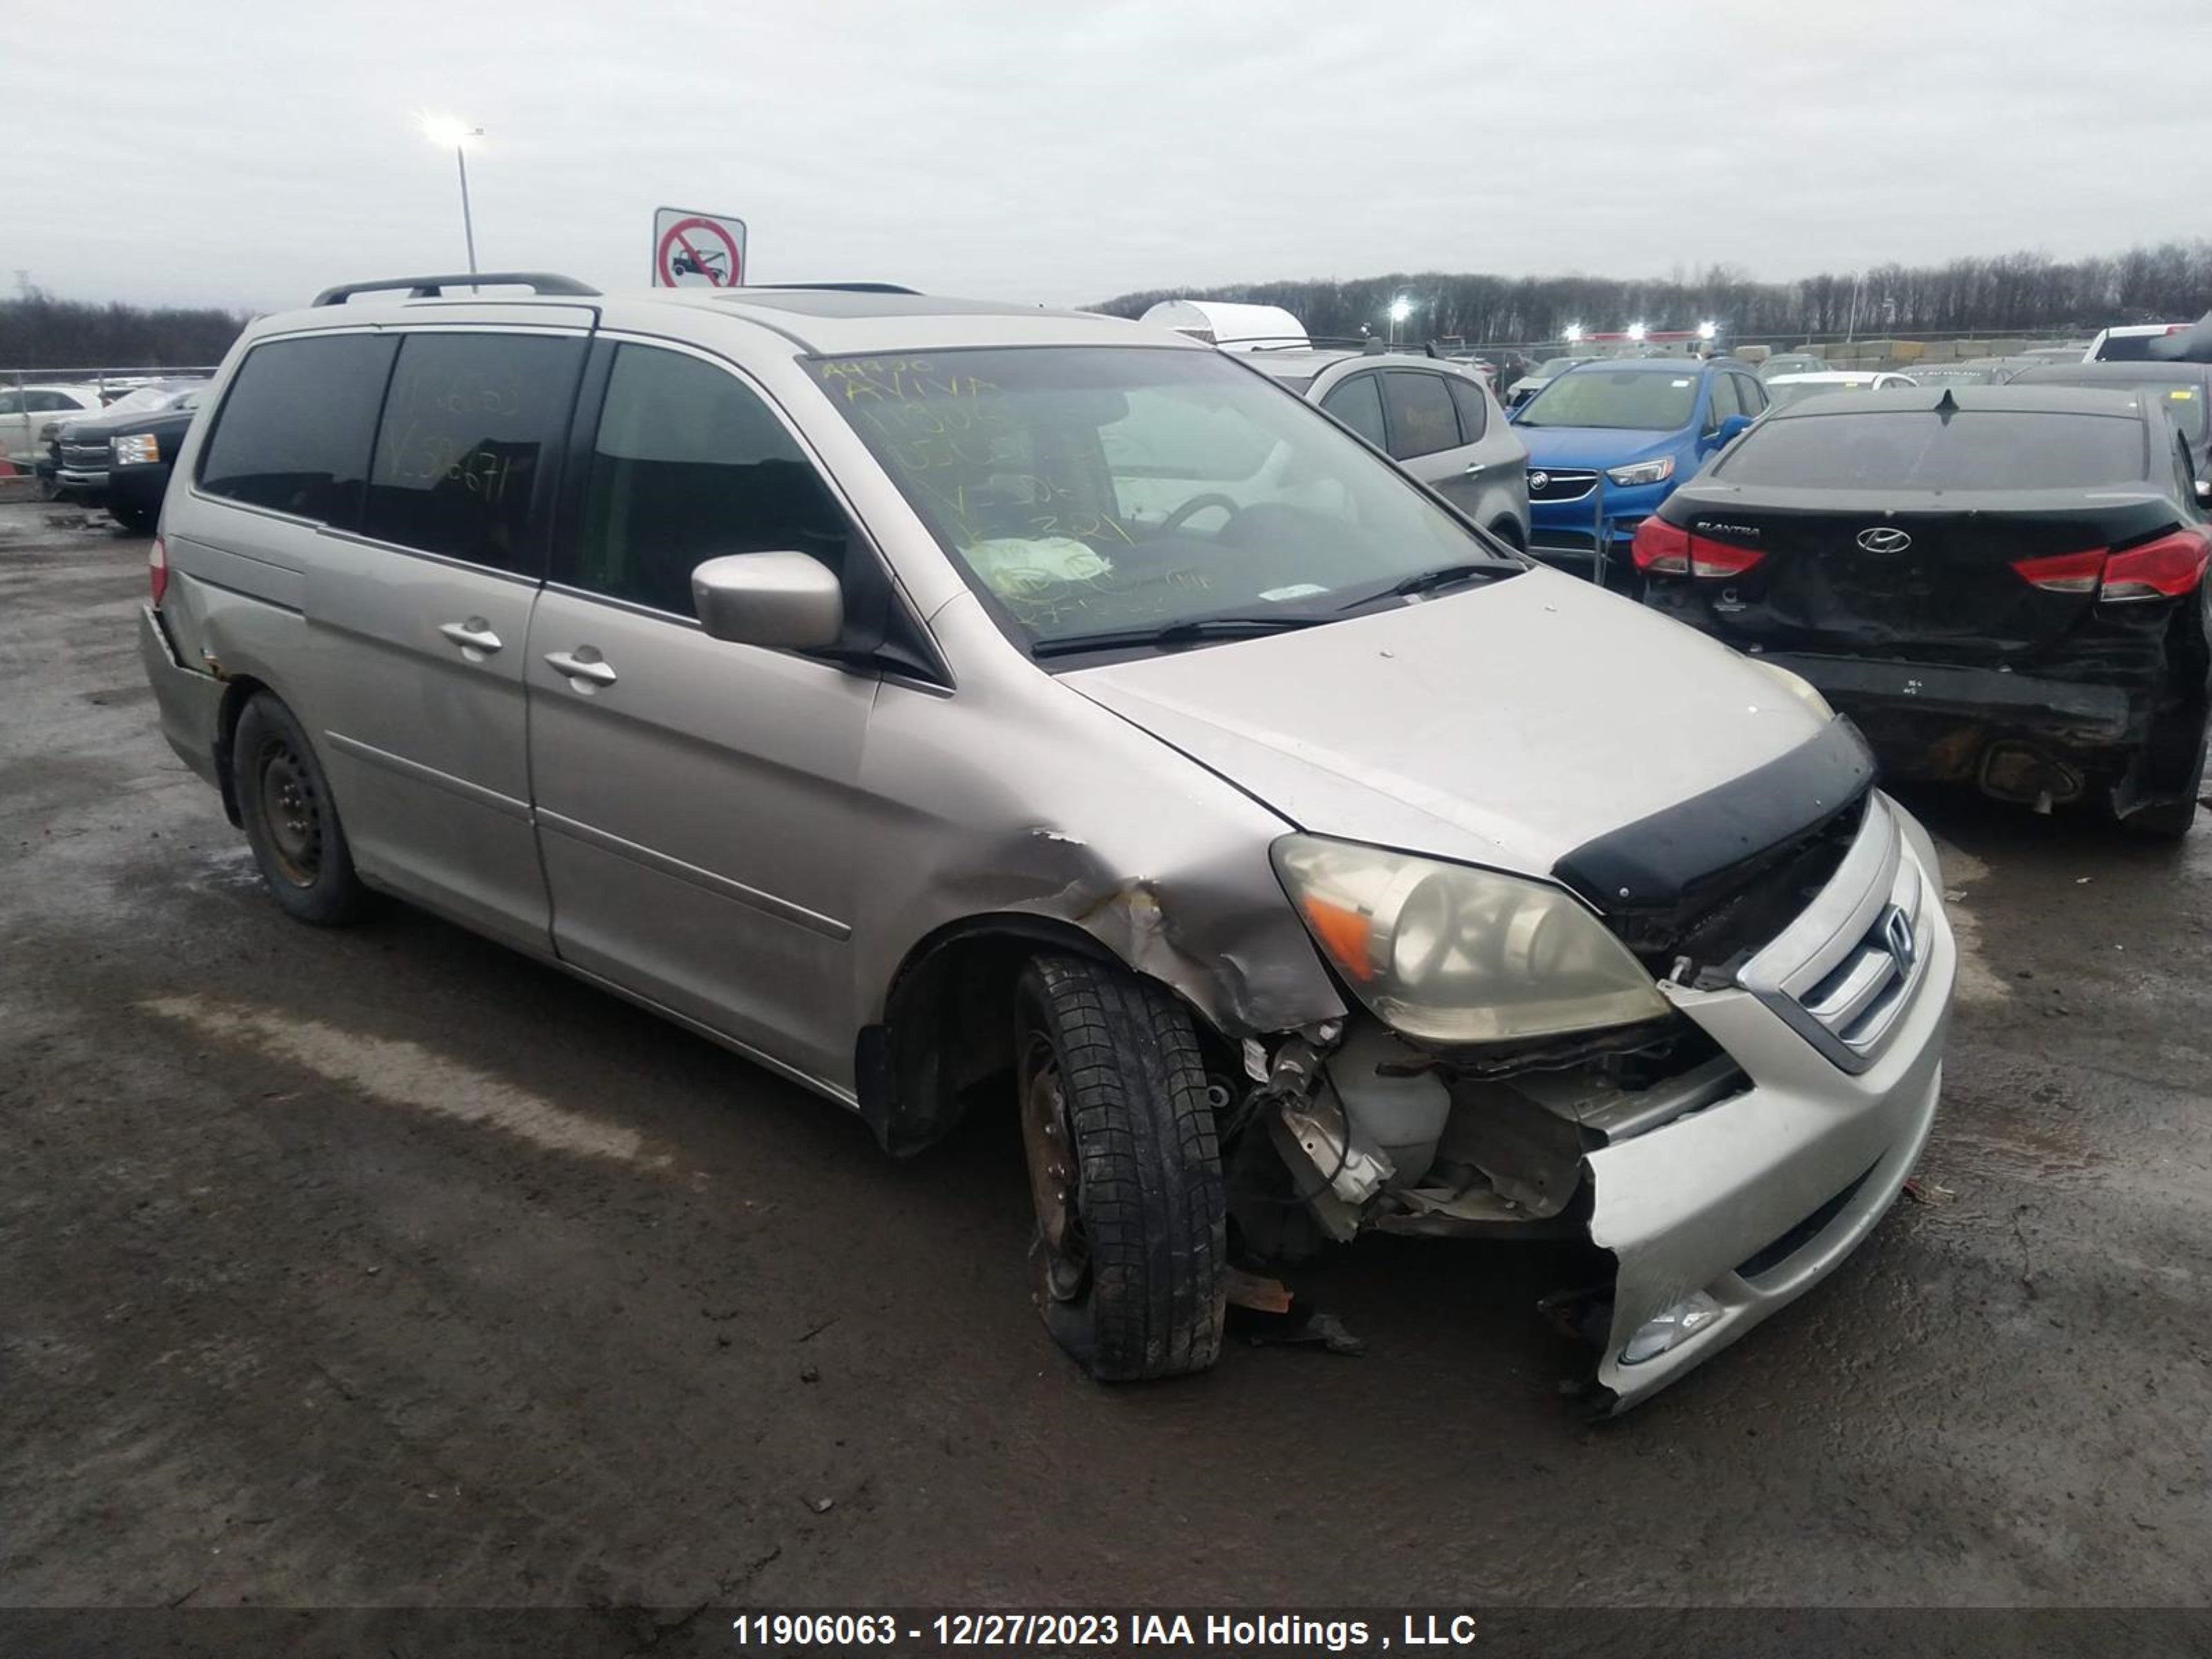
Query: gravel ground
point(384, 1269)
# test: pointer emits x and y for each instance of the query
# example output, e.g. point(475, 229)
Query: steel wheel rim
point(291, 814)
point(1056, 1182)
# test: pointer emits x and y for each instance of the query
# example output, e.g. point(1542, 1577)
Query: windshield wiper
point(1428, 581)
point(1193, 630)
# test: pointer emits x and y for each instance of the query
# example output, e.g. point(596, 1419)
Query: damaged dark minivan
point(964, 708)
point(2003, 586)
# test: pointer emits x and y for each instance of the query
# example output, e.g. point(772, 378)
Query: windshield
point(1625, 398)
point(2183, 401)
point(148, 398)
point(1864, 446)
point(1781, 395)
point(1101, 490)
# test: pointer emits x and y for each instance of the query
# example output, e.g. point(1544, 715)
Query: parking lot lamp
point(445, 131)
point(1400, 309)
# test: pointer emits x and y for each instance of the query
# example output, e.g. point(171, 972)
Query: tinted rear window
point(295, 428)
point(1983, 450)
point(2184, 401)
point(2127, 348)
point(1422, 420)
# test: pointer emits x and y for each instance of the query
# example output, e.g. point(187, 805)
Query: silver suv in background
point(888, 688)
point(1437, 418)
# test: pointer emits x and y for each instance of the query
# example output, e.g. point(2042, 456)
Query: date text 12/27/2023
point(1190, 1631)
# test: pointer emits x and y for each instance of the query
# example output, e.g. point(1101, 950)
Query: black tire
point(2172, 820)
point(132, 515)
point(1131, 1218)
point(290, 818)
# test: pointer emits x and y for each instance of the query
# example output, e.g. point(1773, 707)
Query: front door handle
point(474, 636)
point(1473, 467)
point(584, 667)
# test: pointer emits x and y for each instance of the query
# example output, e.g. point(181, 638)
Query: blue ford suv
point(1609, 441)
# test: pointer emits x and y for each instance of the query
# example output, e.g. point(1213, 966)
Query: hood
point(1502, 726)
point(1593, 446)
point(94, 428)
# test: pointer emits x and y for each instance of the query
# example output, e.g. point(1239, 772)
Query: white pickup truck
point(26, 411)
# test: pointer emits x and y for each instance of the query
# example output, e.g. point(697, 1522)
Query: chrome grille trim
point(1561, 483)
point(1841, 974)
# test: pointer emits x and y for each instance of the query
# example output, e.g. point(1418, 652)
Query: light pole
point(447, 129)
point(1400, 309)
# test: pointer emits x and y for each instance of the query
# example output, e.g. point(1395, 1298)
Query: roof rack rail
point(429, 287)
point(837, 288)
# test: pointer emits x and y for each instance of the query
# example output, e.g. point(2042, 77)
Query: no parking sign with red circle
point(697, 250)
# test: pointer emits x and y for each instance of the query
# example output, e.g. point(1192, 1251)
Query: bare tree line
point(2014, 292)
point(37, 332)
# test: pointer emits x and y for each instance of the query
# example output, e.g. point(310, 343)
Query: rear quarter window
point(1474, 415)
point(295, 428)
point(1920, 450)
point(1422, 419)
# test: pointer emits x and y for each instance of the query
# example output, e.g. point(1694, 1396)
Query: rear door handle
point(1473, 467)
point(473, 636)
point(585, 668)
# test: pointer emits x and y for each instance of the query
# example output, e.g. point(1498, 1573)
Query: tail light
point(157, 569)
point(1661, 549)
point(2162, 569)
point(1718, 559)
point(2064, 573)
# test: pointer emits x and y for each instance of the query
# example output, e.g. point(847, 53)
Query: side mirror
point(788, 601)
point(1730, 429)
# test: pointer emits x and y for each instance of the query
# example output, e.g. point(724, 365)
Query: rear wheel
point(2171, 820)
point(1124, 1172)
point(290, 819)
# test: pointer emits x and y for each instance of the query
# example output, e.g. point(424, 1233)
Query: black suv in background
point(121, 458)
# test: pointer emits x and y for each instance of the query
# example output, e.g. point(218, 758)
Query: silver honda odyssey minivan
point(963, 708)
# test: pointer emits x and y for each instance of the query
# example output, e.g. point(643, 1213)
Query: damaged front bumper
point(1838, 1027)
point(1721, 1190)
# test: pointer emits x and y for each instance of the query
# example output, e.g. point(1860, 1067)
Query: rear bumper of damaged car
point(189, 702)
point(1732, 1211)
point(2019, 737)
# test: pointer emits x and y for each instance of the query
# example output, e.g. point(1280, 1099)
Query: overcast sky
point(245, 153)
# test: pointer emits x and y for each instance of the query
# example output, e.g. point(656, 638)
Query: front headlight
point(139, 449)
point(1798, 687)
point(1644, 472)
point(1453, 954)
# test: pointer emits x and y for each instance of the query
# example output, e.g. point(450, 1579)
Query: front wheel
point(130, 514)
point(1125, 1170)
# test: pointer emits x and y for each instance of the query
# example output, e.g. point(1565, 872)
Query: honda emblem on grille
point(1538, 480)
point(1897, 934)
point(1881, 538)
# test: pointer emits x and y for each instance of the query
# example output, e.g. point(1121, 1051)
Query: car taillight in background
point(2162, 569)
point(1661, 549)
point(157, 569)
